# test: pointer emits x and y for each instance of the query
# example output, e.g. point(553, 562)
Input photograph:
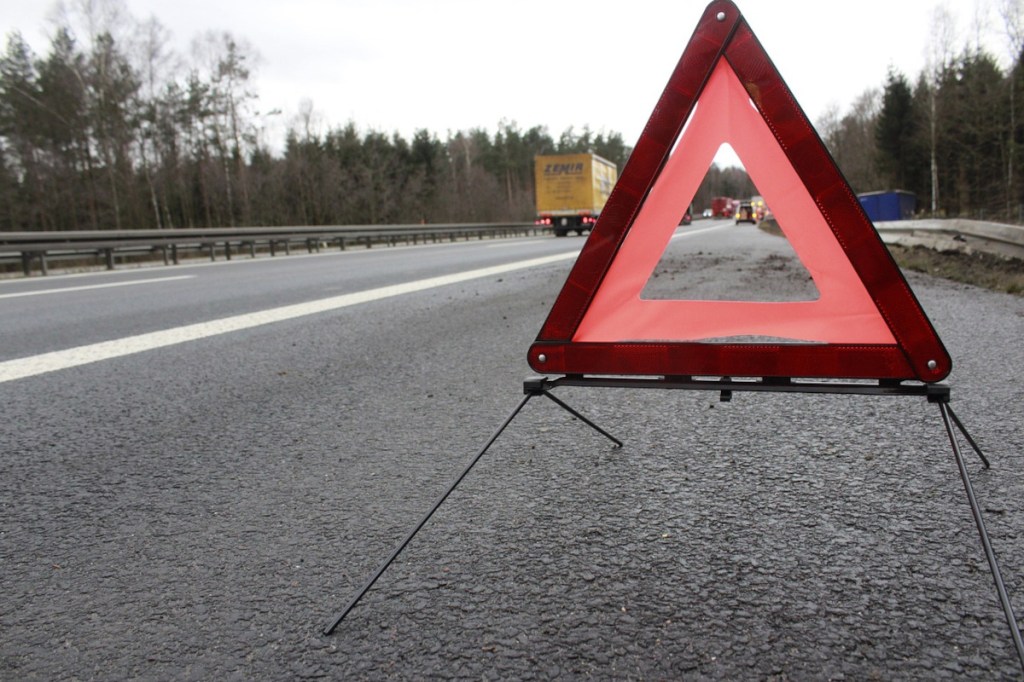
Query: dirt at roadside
point(979, 269)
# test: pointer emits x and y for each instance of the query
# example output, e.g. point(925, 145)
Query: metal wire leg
point(618, 443)
point(1004, 598)
point(384, 566)
point(963, 430)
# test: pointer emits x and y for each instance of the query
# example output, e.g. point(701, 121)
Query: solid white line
point(517, 242)
point(106, 350)
point(691, 233)
point(94, 286)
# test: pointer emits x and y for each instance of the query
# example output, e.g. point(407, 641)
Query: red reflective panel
point(843, 313)
point(720, 359)
point(866, 323)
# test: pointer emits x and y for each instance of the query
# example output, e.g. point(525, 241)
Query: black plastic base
point(933, 392)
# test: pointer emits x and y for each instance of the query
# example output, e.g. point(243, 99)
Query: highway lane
point(203, 509)
point(48, 314)
point(43, 316)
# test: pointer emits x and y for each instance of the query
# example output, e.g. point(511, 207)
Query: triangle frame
point(915, 352)
point(841, 312)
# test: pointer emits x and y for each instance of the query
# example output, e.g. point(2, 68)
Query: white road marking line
point(689, 233)
point(106, 350)
point(94, 286)
point(518, 242)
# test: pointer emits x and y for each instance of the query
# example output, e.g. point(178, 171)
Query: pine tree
point(896, 133)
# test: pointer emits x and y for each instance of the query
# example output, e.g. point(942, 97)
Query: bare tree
point(155, 66)
point(88, 20)
point(938, 57)
point(851, 139)
point(227, 64)
point(1012, 14)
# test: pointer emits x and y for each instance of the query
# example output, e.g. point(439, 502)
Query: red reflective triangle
point(866, 322)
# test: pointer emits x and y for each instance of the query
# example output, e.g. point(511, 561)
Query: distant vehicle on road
point(760, 208)
point(745, 213)
point(722, 207)
point(571, 190)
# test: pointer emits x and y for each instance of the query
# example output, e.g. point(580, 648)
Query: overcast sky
point(448, 65)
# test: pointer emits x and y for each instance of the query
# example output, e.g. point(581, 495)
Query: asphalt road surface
point(197, 473)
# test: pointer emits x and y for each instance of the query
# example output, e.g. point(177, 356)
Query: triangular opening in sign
point(708, 257)
point(865, 321)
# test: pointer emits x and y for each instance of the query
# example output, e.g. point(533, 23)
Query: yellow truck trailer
point(571, 190)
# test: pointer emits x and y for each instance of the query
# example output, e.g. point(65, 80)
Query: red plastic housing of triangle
point(723, 34)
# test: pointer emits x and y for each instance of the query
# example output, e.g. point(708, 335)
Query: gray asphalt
point(203, 511)
point(107, 305)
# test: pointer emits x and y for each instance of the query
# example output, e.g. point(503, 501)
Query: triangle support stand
point(532, 388)
point(542, 386)
point(949, 418)
point(935, 393)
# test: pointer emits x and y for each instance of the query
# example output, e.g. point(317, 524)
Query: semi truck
point(571, 190)
point(723, 207)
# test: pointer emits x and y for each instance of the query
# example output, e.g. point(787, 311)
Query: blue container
point(891, 205)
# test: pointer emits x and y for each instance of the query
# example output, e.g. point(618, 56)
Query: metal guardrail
point(956, 234)
point(107, 246)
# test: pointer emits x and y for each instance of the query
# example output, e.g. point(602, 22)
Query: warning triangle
point(866, 322)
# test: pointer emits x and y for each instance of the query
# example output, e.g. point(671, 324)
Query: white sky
point(448, 65)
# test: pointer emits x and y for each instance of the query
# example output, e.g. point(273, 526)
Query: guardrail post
point(213, 251)
point(42, 263)
point(252, 248)
point(174, 253)
point(108, 257)
point(227, 250)
point(287, 247)
point(341, 243)
point(26, 263)
point(163, 252)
